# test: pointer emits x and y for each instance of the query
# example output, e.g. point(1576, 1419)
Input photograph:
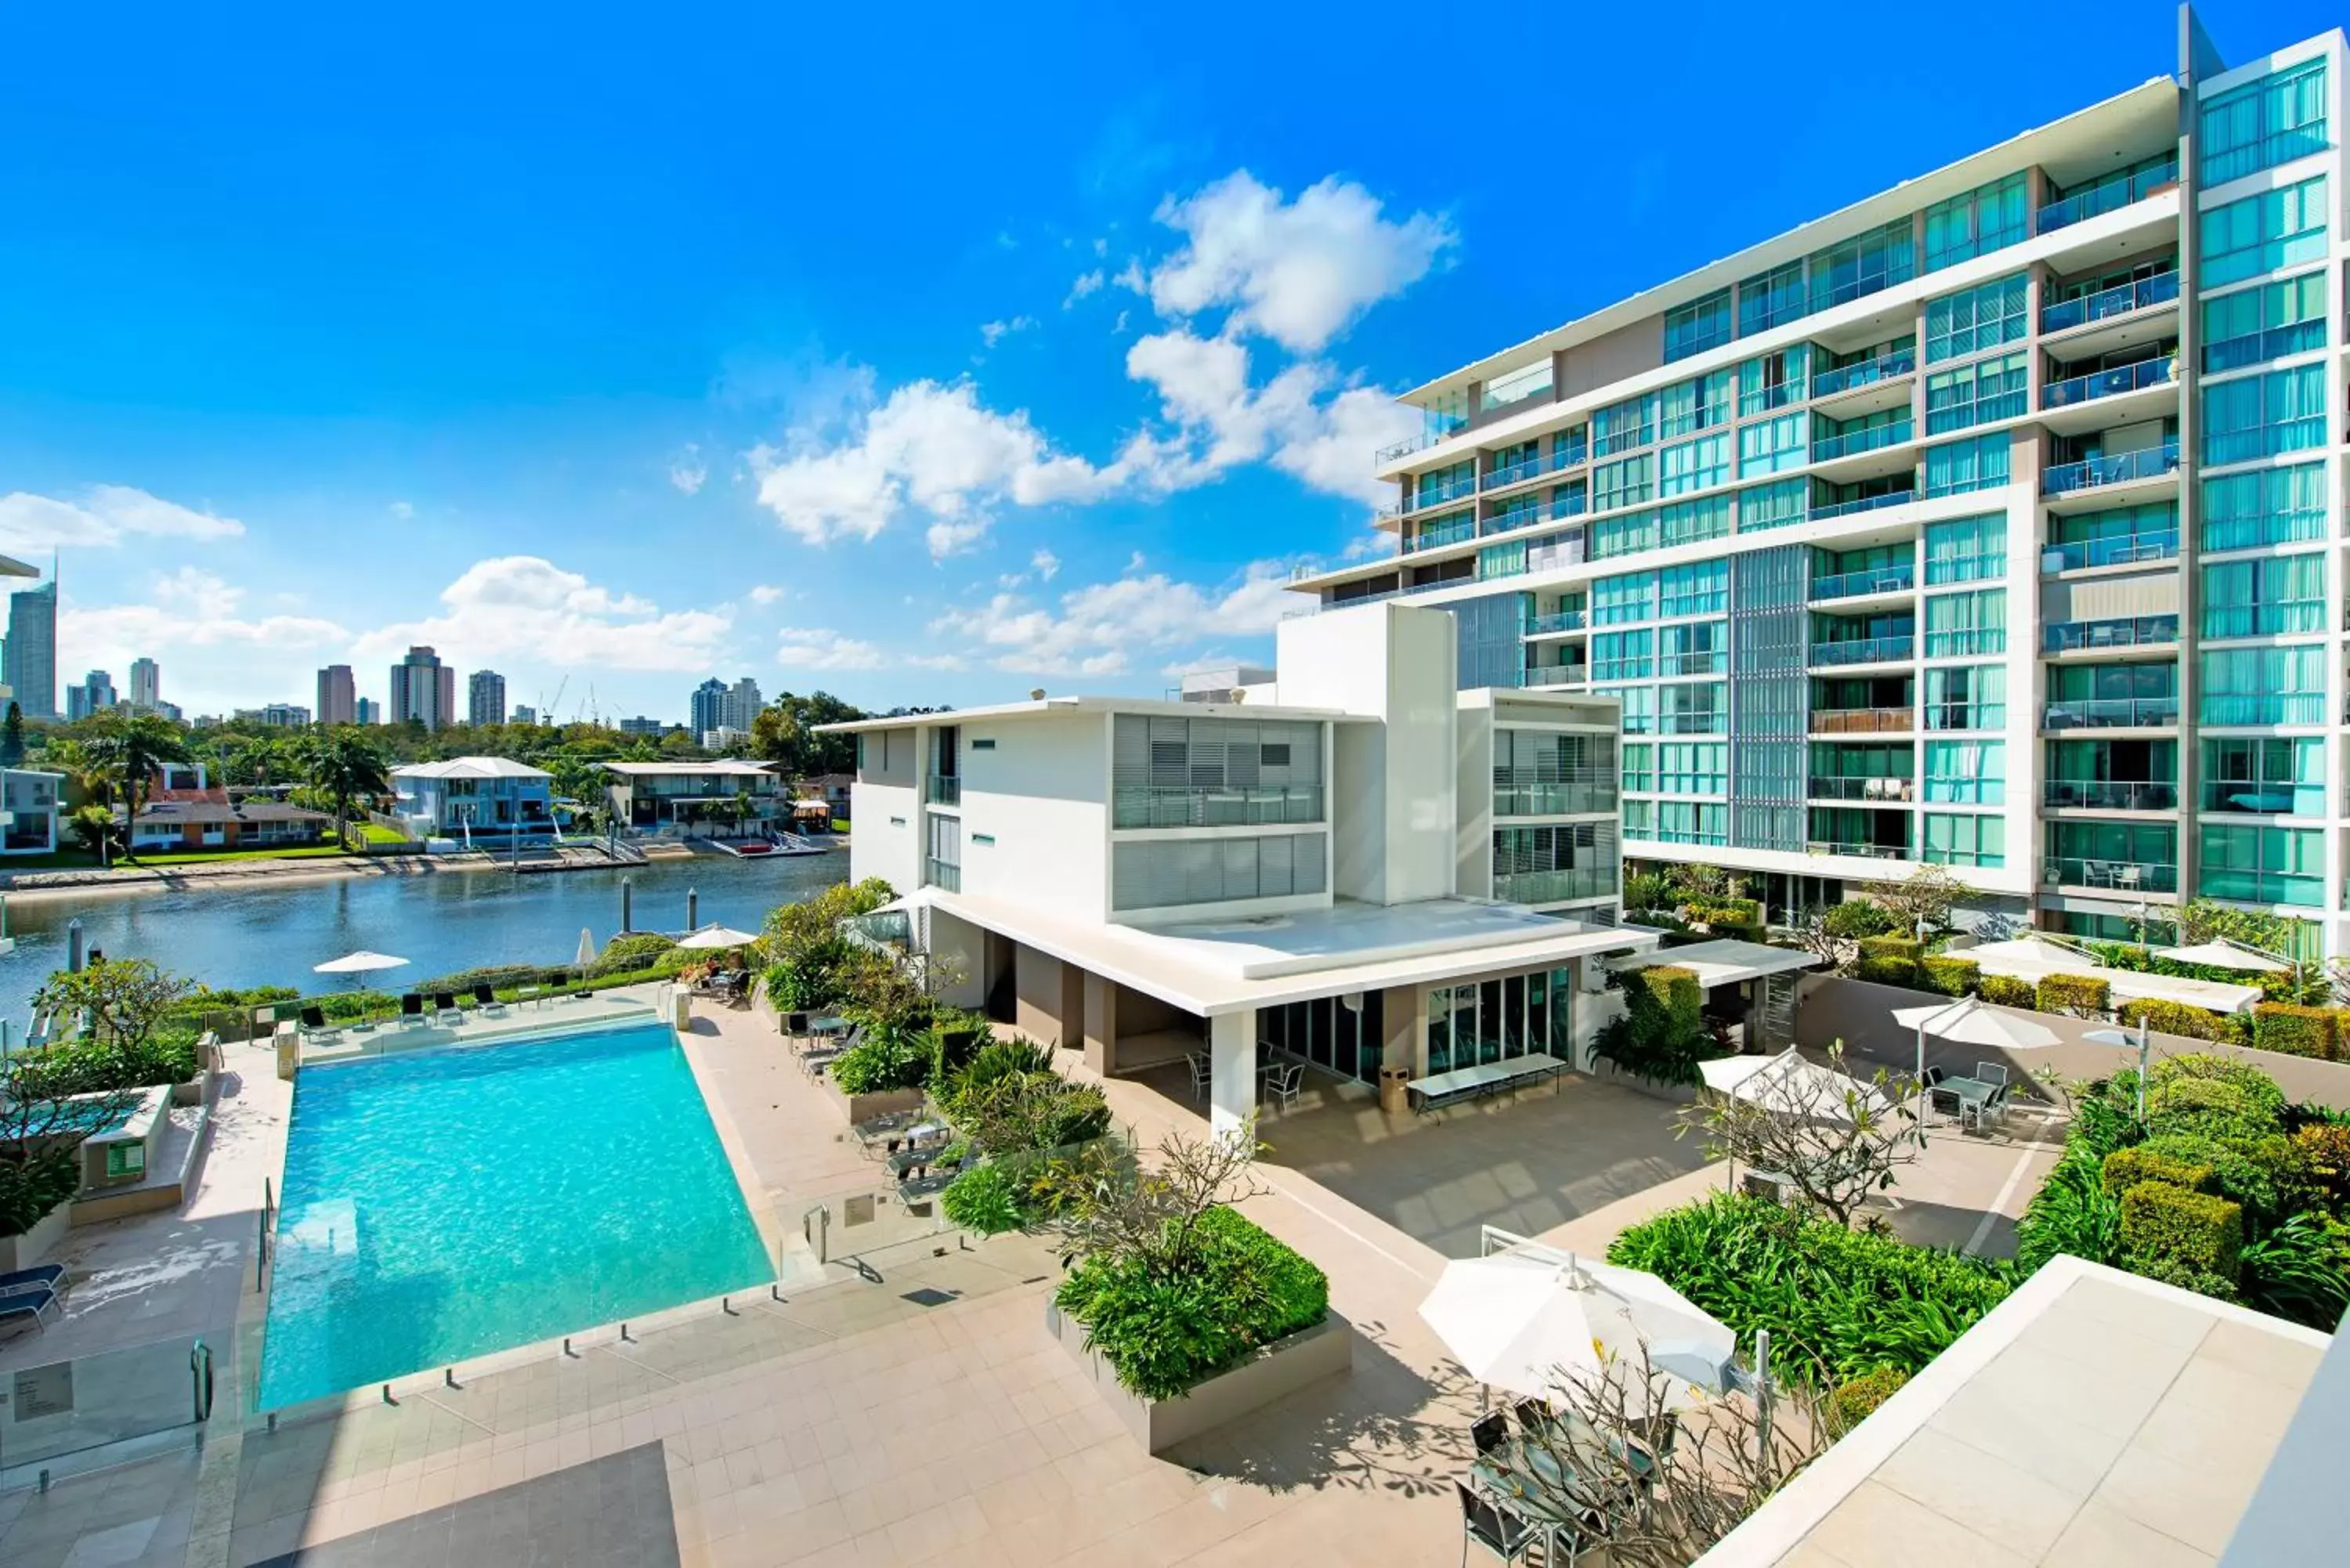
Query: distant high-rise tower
point(338, 702)
point(524, 714)
point(424, 689)
point(367, 710)
point(32, 668)
point(146, 685)
point(709, 708)
point(742, 704)
point(485, 697)
point(94, 695)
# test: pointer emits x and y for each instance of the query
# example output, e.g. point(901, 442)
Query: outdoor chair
point(1505, 1537)
point(412, 1011)
point(445, 1007)
point(1994, 1109)
point(41, 1276)
point(29, 1302)
point(796, 1024)
point(1489, 1432)
point(1992, 1072)
point(1535, 1418)
point(1201, 1074)
point(487, 999)
point(1287, 1084)
point(1934, 1075)
point(315, 1024)
point(1943, 1103)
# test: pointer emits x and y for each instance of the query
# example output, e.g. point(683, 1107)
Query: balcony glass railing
point(2125, 631)
point(1853, 788)
point(1608, 669)
point(1559, 675)
point(1863, 721)
point(2121, 876)
point(1858, 851)
point(1434, 433)
point(1533, 467)
point(2113, 794)
point(2111, 713)
point(2265, 797)
point(1710, 661)
point(1867, 373)
point(1898, 578)
point(2118, 300)
point(2113, 550)
point(2263, 887)
point(1860, 503)
point(2259, 348)
point(1966, 715)
point(1563, 797)
point(939, 874)
point(2105, 196)
point(1702, 722)
point(2121, 468)
point(946, 789)
point(1852, 444)
point(1864, 650)
point(1447, 533)
point(1228, 806)
point(1559, 620)
point(1429, 497)
point(1559, 887)
point(2112, 383)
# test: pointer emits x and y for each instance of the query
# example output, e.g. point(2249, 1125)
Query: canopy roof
point(2034, 960)
point(1723, 962)
point(2225, 955)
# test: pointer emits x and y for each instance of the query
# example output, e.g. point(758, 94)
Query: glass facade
point(1966, 772)
point(1863, 264)
point(1977, 394)
point(2263, 123)
point(1966, 626)
point(2259, 865)
point(1963, 838)
point(1966, 696)
point(2262, 686)
point(1966, 549)
point(2272, 595)
point(2267, 233)
point(2273, 506)
point(1983, 220)
point(1496, 1020)
point(1700, 325)
point(2265, 775)
point(2253, 417)
point(1956, 467)
point(2269, 321)
point(1978, 320)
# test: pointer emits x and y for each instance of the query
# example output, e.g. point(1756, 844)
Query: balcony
point(1860, 503)
point(1420, 443)
point(1865, 650)
point(1534, 468)
point(2114, 550)
point(1453, 533)
point(1852, 444)
point(945, 789)
point(1429, 497)
point(1861, 851)
point(2112, 714)
point(1559, 675)
point(1852, 378)
point(2117, 382)
point(2120, 300)
point(1558, 620)
point(1226, 806)
point(939, 874)
point(2118, 876)
point(1588, 791)
point(1863, 721)
point(1574, 504)
point(2093, 636)
point(2121, 468)
point(2105, 196)
point(1894, 579)
point(1854, 787)
point(1559, 887)
point(1709, 661)
point(2113, 794)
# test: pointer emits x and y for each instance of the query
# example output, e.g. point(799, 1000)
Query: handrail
point(2158, 371)
point(2119, 300)
point(268, 1237)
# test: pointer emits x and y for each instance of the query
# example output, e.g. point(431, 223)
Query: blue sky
point(921, 355)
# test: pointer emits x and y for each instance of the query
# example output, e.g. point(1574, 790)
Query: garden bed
point(864, 1107)
point(1269, 1373)
point(25, 1251)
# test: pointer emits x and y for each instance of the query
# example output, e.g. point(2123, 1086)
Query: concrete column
point(1404, 1016)
point(1101, 1024)
point(1231, 1071)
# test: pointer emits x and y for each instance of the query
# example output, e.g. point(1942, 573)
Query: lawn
point(376, 832)
point(200, 856)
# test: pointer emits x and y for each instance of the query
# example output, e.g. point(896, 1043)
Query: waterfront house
point(474, 802)
point(711, 798)
point(1335, 863)
point(30, 800)
point(172, 825)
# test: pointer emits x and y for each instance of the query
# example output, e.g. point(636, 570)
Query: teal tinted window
point(2263, 686)
point(1626, 482)
point(1966, 772)
point(1863, 264)
point(2254, 416)
point(1624, 426)
point(1700, 325)
point(1774, 445)
point(1959, 838)
point(1773, 505)
point(1688, 521)
point(1978, 320)
point(1977, 394)
point(2271, 506)
point(1773, 380)
point(1694, 405)
point(1983, 220)
point(2263, 123)
point(2268, 322)
point(2272, 595)
point(1964, 626)
point(1768, 298)
point(1959, 466)
point(1698, 464)
point(2252, 864)
point(2266, 233)
point(1629, 598)
point(1700, 587)
point(1966, 549)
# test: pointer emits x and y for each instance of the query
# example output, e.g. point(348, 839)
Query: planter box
point(24, 1251)
point(862, 1108)
point(1276, 1370)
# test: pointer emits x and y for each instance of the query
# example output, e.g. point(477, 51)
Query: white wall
point(1043, 795)
point(885, 833)
point(1472, 875)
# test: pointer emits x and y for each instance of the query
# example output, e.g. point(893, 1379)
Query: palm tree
point(344, 762)
point(120, 753)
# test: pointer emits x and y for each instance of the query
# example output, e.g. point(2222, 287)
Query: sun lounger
point(486, 1000)
point(315, 1024)
point(412, 1011)
point(928, 1185)
point(29, 1293)
point(48, 1276)
point(445, 1007)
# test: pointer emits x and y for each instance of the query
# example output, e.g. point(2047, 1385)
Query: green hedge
point(2179, 1018)
point(2125, 1167)
point(1243, 1290)
point(1951, 976)
point(2073, 995)
point(1892, 946)
point(986, 1199)
point(2292, 1031)
point(1890, 961)
point(1857, 918)
point(1856, 1399)
point(1661, 1037)
point(2162, 1223)
point(2006, 991)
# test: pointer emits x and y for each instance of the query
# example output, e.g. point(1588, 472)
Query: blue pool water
point(451, 1203)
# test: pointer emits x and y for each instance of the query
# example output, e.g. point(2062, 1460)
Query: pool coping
point(517, 1029)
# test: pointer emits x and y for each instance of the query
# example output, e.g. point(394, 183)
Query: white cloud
point(950, 537)
point(1097, 630)
point(1131, 277)
point(1298, 272)
point(402, 509)
point(105, 515)
point(1045, 564)
point(688, 471)
point(815, 648)
point(994, 332)
point(527, 606)
point(765, 594)
point(1086, 284)
point(192, 622)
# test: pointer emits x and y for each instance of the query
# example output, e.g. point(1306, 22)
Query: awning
point(2031, 960)
point(1723, 962)
point(2225, 955)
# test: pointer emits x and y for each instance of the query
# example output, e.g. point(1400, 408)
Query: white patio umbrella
point(358, 964)
point(1967, 1022)
point(586, 953)
point(1525, 1324)
point(2225, 955)
point(716, 937)
point(1792, 1082)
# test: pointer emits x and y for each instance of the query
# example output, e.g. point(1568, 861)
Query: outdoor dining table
point(1971, 1094)
point(1531, 1482)
point(830, 1024)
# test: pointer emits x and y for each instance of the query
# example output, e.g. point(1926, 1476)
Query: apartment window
point(1439, 485)
point(1773, 505)
point(1693, 768)
point(1956, 467)
point(1213, 772)
point(1774, 445)
point(1692, 707)
point(2252, 864)
point(1986, 219)
point(2272, 321)
point(1504, 560)
point(1966, 696)
point(1629, 598)
point(2143, 856)
point(1639, 704)
point(2267, 233)
point(1959, 838)
point(1698, 464)
point(1694, 648)
point(1691, 522)
point(2117, 536)
point(1515, 386)
point(1863, 264)
point(2274, 596)
point(1768, 298)
point(1639, 819)
point(1626, 482)
point(1625, 533)
point(943, 863)
point(1168, 873)
point(2263, 123)
point(2263, 686)
point(1977, 394)
point(1966, 772)
point(1977, 320)
point(2273, 506)
point(2261, 415)
point(1960, 625)
point(1700, 325)
point(1624, 426)
point(1966, 549)
point(1624, 655)
point(1773, 380)
point(1700, 587)
point(1640, 767)
point(2272, 777)
point(1691, 822)
point(1691, 406)
point(1517, 511)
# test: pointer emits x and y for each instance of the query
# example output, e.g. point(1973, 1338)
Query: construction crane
point(553, 711)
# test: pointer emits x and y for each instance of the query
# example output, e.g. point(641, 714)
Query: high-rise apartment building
point(485, 697)
point(708, 707)
point(525, 714)
point(32, 649)
point(278, 715)
point(94, 694)
point(1993, 522)
point(424, 689)
point(367, 710)
point(337, 701)
point(146, 685)
point(742, 704)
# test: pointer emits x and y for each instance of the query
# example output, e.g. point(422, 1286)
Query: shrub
point(2177, 1018)
point(995, 1060)
point(2073, 995)
point(2292, 1031)
point(631, 951)
point(1890, 961)
point(1647, 890)
point(1661, 1036)
point(1895, 946)
point(2072, 1213)
point(2166, 1224)
point(500, 977)
point(1163, 1335)
point(881, 1062)
point(2006, 991)
point(987, 1200)
point(1951, 976)
point(2299, 1271)
point(2125, 1167)
point(96, 1066)
point(2185, 1276)
point(1855, 919)
point(2210, 1105)
point(1739, 918)
point(2254, 1171)
point(2322, 1149)
point(1856, 1399)
point(2256, 1092)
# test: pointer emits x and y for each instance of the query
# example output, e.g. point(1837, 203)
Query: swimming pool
point(449, 1203)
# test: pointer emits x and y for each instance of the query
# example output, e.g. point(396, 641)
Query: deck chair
point(486, 998)
point(1285, 1085)
point(1202, 1071)
point(315, 1024)
point(30, 1292)
point(1489, 1432)
point(1505, 1537)
point(412, 1011)
point(1992, 1072)
point(445, 1007)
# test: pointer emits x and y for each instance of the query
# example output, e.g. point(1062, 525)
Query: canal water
point(262, 935)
